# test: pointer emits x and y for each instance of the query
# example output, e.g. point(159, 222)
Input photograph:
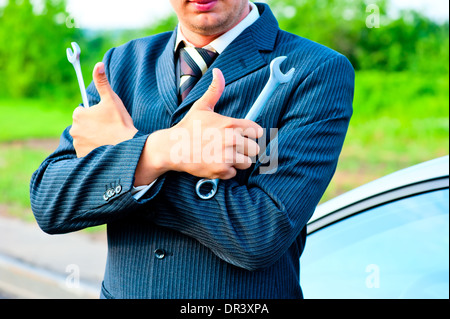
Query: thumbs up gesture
point(107, 123)
point(204, 143)
point(232, 142)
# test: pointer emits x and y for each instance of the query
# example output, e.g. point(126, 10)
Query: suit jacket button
point(160, 253)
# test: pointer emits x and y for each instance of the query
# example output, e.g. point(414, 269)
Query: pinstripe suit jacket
point(244, 243)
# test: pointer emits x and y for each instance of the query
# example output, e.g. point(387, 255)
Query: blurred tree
point(334, 23)
point(33, 40)
point(165, 24)
point(409, 42)
point(32, 48)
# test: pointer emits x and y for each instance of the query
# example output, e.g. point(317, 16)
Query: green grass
point(17, 164)
point(25, 119)
point(16, 167)
point(22, 120)
point(399, 120)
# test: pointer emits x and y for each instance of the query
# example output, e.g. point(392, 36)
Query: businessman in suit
point(115, 165)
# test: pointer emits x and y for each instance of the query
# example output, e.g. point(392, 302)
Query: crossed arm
point(245, 220)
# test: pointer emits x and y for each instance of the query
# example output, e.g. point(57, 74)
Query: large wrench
point(74, 58)
point(276, 78)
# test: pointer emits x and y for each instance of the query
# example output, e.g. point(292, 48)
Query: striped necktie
point(194, 62)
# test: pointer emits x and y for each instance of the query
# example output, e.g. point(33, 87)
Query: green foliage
point(165, 24)
point(32, 43)
point(400, 119)
point(408, 42)
point(334, 23)
point(32, 57)
point(412, 42)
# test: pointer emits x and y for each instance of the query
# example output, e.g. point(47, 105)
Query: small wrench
point(74, 58)
point(276, 78)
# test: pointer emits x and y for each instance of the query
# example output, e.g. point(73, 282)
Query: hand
point(181, 149)
point(107, 123)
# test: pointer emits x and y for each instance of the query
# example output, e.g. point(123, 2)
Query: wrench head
point(275, 70)
point(74, 55)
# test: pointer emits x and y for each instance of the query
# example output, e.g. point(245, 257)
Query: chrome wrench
point(276, 78)
point(74, 58)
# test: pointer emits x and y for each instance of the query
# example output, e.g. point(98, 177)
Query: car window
point(397, 250)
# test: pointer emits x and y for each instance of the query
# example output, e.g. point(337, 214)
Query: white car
point(388, 239)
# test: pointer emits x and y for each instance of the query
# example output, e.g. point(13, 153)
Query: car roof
point(434, 169)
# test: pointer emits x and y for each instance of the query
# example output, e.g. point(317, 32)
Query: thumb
point(209, 100)
point(101, 81)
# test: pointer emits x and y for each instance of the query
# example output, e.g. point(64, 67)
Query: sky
point(116, 14)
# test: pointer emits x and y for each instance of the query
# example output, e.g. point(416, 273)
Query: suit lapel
point(241, 57)
point(165, 76)
point(238, 60)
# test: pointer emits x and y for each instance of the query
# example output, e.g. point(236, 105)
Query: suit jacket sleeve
point(251, 224)
point(68, 193)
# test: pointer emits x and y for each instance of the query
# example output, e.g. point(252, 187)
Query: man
point(116, 165)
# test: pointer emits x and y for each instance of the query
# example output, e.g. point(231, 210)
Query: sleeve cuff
point(140, 191)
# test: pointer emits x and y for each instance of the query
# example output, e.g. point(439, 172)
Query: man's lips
point(203, 5)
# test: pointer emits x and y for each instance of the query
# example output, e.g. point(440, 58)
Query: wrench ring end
point(202, 183)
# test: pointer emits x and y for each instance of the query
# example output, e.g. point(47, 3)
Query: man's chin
point(209, 25)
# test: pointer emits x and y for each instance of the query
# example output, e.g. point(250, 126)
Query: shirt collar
point(220, 44)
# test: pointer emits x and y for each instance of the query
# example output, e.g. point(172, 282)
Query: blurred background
point(400, 50)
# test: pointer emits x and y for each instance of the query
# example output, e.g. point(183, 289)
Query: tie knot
point(196, 61)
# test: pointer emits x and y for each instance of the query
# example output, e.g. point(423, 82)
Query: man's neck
point(196, 39)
